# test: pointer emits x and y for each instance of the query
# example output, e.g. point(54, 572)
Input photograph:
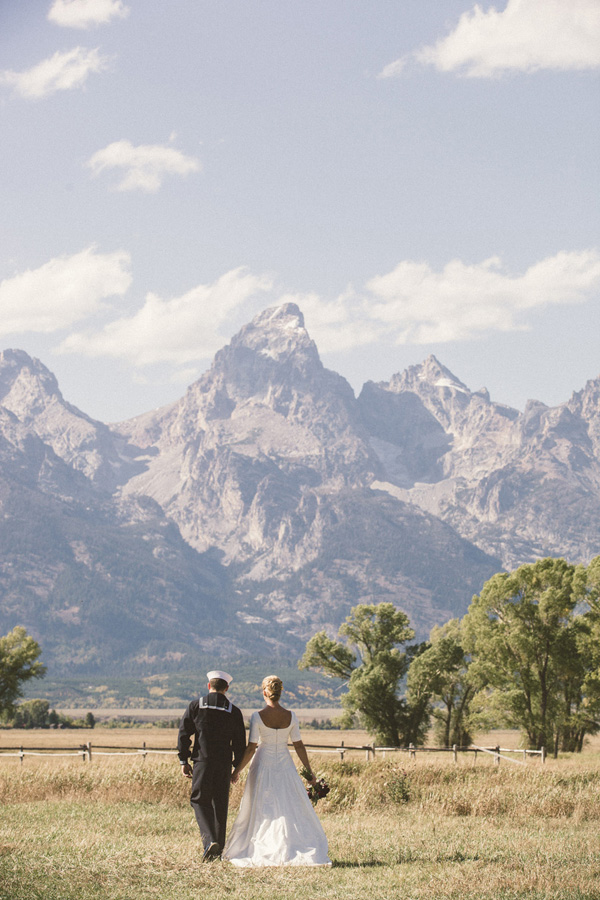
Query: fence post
point(411, 751)
point(497, 755)
point(341, 751)
point(89, 751)
point(83, 749)
point(21, 755)
point(454, 753)
point(543, 755)
point(144, 754)
point(524, 755)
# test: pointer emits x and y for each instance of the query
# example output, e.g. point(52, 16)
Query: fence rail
point(87, 751)
point(84, 751)
point(371, 751)
point(497, 752)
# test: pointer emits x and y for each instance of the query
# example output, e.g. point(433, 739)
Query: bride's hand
point(234, 776)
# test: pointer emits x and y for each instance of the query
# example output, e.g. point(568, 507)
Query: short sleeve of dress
point(295, 729)
point(254, 723)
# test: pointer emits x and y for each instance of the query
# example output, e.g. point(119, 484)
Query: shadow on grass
point(405, 858)
point(368, 864)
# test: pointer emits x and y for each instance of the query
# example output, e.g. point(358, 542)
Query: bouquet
point(316, 791)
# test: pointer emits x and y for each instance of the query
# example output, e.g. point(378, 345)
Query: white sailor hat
point(215, 673)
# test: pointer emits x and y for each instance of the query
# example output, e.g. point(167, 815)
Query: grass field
point(121, 828)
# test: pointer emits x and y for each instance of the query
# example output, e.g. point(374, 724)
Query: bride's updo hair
point(272, 687)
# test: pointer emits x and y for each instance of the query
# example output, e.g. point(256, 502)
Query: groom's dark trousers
point(219, 736)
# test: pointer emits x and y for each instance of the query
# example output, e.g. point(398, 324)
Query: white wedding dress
point(276, 824)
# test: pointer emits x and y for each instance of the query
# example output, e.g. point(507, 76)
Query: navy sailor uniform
point(217, 727)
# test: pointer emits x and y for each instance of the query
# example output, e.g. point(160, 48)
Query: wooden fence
point(371, 751)
point(83, 751)
point(86, 752)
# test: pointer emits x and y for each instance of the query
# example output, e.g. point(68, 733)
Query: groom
point(217, 727)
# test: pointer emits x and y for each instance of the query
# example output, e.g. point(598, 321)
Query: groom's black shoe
point(212, 852)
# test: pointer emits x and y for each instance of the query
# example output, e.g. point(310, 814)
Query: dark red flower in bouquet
point(317, 791)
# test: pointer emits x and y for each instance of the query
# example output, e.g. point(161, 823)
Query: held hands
point(235, 776)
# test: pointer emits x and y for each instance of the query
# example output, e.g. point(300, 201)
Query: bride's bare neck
point(275, 715)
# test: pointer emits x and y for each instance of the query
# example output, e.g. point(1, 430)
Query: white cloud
point(413, 304)
point(526, 36)
point(417, 305)
point(85, 13)
point(180, 330)
point(145, 166)
point(61, 72)
point(62, 292)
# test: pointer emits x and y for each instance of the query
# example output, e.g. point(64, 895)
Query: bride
point(276, 824)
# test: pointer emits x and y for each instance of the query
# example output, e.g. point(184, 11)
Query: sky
point(419, 177)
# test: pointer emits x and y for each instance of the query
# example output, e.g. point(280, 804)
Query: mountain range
point(268, 500)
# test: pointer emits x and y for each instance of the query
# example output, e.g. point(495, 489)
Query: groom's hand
point(186, 770)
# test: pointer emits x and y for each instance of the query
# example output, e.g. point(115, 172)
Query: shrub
point(398, 787)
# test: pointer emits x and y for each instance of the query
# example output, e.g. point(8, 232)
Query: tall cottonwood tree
point(580, 706)
point(528, 641)
point(441, 675)
point(371, 662)
point(19, 662)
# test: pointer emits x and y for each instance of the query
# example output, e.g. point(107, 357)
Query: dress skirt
point(277, 824)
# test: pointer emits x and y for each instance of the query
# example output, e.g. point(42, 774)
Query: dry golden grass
point(165, 738)
point(561, 788)
point(121, 828)
point(121, 850)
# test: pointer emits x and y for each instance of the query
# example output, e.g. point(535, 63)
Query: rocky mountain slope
point(268, 500)
point(518, 485)
point(267, 458)
point(105, 583)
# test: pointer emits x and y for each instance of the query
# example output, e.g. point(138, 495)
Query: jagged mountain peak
point(285, 317)
point(277, 333)
point(586, 404)
point(26, 382)
point(31, 393)
point(28, 388)
point(15, 359)
point(429, 373)
point(271, 360)
point(589, 394)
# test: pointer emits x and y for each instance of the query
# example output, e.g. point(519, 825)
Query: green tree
point(521, 633)
point(441, 677)
point(579, 712)
point(18, 663)
point(579, 700)
point(31, 714)
point(372, 663)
